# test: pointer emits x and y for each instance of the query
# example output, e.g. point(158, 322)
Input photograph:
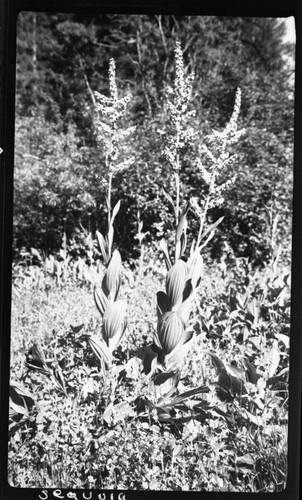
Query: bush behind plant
point(56, 121)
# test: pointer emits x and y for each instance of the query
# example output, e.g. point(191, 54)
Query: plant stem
point(177, 204)
point(109, 198)
point(177, 198)
point(203, 218)
point(202, 221)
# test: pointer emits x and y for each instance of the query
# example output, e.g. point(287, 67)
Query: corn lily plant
point(110, 132)
point(173, 339)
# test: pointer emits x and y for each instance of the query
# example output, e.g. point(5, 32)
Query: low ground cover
point(224, 427)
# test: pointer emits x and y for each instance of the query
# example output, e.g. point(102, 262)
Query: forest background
point(59, 166)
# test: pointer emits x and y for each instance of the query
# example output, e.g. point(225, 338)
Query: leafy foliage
point(124, 430)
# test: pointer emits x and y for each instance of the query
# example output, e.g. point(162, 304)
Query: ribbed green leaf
point(182, 225)
point(114, 322)
point(184, 309)
point(175, 282)
point(103, 246)
point(181, 350)
point(115, 211)
point(170, 330)
point(101, 300)
point(100, 349)
point(112, 277)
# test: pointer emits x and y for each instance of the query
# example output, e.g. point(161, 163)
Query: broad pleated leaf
point(116, 339)
point(170, 329)
point(195, 265)
point(114, 322)
point(100, 349)
point(184, 309)
point(101, 300)
point(175, 282)
point(115, 211)
point(103, 246)
point(180, 351)
point(112, 277)
point(182, 225)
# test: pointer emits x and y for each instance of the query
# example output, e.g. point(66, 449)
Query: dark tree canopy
point(62, 59)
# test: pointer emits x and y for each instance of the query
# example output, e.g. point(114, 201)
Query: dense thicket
point(59, 165)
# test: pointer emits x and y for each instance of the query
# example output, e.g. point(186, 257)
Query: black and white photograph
point(151, 246)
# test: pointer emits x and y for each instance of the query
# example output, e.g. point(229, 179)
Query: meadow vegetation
point(168, 371)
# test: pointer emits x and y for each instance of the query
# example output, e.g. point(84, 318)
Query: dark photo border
point(9, 10)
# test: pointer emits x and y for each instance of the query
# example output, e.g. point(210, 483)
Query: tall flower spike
point(232, 125)
point(112, 83)
point(179, 69)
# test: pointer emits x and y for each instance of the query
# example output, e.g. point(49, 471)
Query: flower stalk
point(172, 339)
point(111, 134)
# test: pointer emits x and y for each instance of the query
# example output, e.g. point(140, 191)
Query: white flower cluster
point(197, 207)
point(179, 98)
point(110, 132)
point(218, 160)
point(229, 135)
